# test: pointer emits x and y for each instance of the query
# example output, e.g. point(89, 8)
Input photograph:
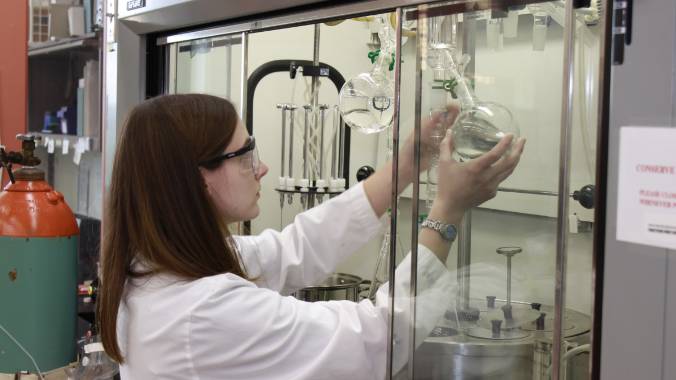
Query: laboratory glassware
point(481, 124)
point(381, 274)
point(367, 100)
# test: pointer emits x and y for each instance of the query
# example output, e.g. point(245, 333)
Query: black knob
point(495, 327)
point(507, 312)
point(490, 302)
point(540, 322)
point(585, 196)
point(364, 172)
point(535, 306)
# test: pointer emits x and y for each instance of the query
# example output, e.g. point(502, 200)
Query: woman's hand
point(463, 185)
point(432, 131)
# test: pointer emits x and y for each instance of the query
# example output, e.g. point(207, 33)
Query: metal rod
point(315, 95)
point(395, 192)
point(334, 140)
point(416, 204)
point(465, 230)
point(564, 188)
point(245, 76)
point(533, 192)
point(601, 183)
point(509, 280)
point(322, 109)
point(514, 301)
point(228, 70)
point(307, 108)
point(283, 108)
point(291, 129)
point(525, 191)
point(341, 148)
point(464, 259)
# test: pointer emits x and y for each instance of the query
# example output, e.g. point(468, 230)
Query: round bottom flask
point(480, 127)
point(367, 103)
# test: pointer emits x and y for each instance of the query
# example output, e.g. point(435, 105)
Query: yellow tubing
point(393, 22)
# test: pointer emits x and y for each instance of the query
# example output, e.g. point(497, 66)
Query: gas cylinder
point(38, 267)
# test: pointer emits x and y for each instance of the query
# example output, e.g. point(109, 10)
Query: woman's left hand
point(433, 130)
point(378, 186)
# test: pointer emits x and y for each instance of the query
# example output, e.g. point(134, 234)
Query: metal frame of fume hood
point(324, 12)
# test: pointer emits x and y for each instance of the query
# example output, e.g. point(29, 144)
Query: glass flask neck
point(463, 90)
point(387, 48)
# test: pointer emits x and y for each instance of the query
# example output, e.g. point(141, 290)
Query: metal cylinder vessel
point(339, 286)
point(38, 274)
point(462, 354)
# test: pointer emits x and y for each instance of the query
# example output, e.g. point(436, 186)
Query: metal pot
point(449, 354)
point(339, 286)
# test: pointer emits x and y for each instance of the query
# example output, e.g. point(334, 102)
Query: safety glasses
point(248, 155)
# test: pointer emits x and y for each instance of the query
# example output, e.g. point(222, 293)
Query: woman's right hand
point(463, 185)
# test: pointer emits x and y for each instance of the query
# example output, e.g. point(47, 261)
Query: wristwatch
point(447, 231)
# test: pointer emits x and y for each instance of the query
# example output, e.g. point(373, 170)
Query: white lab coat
point(225, 327)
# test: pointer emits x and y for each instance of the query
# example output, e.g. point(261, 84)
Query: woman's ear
point(206, 178)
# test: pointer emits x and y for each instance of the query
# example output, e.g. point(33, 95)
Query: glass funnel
point(366, 101)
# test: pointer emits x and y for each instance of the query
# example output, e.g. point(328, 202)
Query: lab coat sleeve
point(245, 332)
point(309, 249)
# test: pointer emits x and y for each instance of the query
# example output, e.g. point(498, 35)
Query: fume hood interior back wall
point(527, 81)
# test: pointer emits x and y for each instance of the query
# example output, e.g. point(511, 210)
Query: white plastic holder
point(338, 184)
point(290, 183)
point(304, 184)
point(510, 25)
point(321, 185)
point(540, 25)
point(494, 34)
point(333, 184)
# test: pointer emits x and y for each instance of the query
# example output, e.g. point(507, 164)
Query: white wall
point(526, 81)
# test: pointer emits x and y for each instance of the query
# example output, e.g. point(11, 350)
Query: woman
point(181, 298)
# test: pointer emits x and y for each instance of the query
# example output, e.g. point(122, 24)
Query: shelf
point(87, 41)
point(93, 143)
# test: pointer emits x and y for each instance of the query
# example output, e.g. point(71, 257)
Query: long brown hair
point(158, 210)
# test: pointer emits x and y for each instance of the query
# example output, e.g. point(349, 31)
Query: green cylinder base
point(38, 294)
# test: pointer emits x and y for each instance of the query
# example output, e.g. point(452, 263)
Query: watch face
point(450, 232)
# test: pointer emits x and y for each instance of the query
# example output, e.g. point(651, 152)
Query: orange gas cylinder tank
point(38, 267)
point(29, 207)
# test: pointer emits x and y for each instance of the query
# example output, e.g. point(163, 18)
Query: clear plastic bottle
point(366, 101)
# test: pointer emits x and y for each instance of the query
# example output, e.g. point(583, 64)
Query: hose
point(572, 352)
point(13, 339)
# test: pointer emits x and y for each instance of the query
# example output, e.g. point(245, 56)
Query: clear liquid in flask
point(367, 103)
point(480, 128)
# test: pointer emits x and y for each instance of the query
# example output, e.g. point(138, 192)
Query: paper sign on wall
point(646, 199)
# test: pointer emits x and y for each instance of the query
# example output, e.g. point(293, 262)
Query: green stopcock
point(373, 55)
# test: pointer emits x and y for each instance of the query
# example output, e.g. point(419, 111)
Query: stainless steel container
point(339, 286)
point(450, 354)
